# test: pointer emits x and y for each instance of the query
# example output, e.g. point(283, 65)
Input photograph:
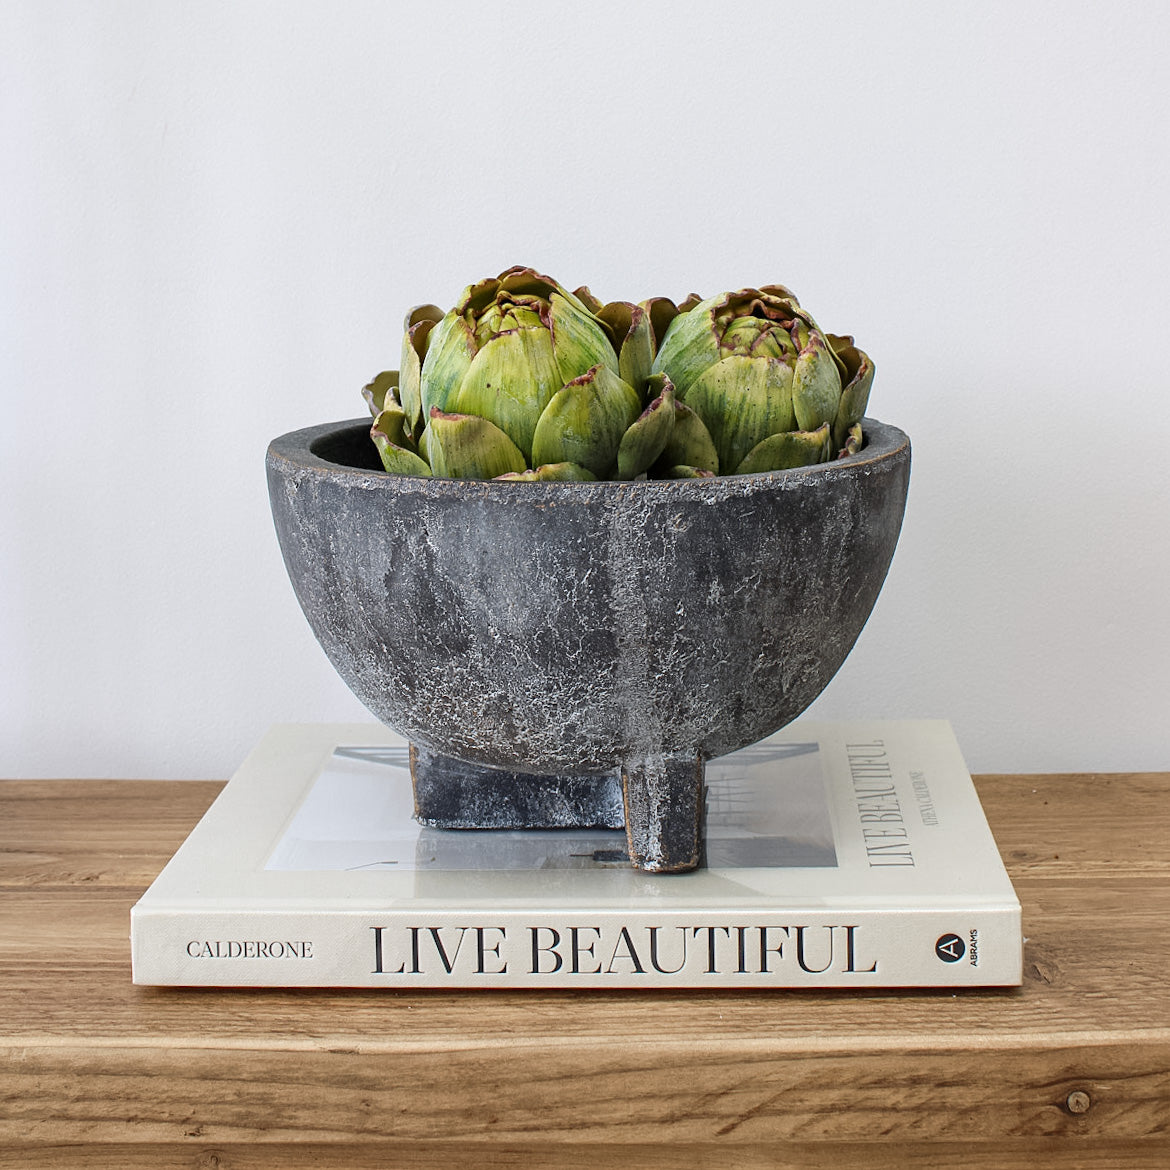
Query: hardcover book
point(837, 855)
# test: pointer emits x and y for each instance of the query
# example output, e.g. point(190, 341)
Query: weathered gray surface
point(575, 627)
point(663, 798)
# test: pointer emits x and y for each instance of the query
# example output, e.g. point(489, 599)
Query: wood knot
point(1078, 1101)
point(1039, 965)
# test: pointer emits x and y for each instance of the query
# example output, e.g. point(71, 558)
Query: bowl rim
point(293, 451)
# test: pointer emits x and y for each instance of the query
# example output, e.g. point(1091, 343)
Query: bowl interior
point(348, 447)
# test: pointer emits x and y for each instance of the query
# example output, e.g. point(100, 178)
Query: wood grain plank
point(95, 833)
point(1080, 827)
point(667, 1092)
point(195, 1154)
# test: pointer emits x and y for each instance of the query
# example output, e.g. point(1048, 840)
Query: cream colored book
point(848, 855)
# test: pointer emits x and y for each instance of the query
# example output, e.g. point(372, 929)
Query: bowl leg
point(453, 794)
point(664, 797)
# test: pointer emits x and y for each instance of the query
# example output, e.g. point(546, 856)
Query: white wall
point(213, 216)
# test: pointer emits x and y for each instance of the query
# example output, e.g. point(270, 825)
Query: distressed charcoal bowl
point(568, 654)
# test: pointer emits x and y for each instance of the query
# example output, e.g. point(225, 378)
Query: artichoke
point(520, 374)
point(771, 388)
point(524, 380)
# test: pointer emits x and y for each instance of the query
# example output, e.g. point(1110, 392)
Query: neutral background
point(213, 217)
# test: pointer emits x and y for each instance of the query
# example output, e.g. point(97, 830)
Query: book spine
point(979, 946)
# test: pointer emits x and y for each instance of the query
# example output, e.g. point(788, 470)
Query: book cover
point(838, 855)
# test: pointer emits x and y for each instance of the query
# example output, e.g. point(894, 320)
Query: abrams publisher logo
point(950, 948)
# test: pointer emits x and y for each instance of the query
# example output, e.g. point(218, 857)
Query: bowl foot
point(664, 799)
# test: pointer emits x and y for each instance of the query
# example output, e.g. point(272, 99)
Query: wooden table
point(1071, 1070)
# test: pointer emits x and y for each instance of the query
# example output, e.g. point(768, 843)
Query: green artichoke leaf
point(510, 382)
point(585, 420)
point(690, 347)
point(804, 326)
point(548, 472)
point(789, 449)
point(508, 315)
point(854, 441)
point(634, 340)
point(661, 311)
point(450, 349)
point(392, 440)
point(646, 438)
point(390, 423)
point(522, 281)
point(757, 337)
point(742, 400)
point(586, 297)
point(689, 445)
point(476, 297)
point(636, 357)
point(422, 313)
point(615, 319)
point(782, 291)
point(855, 396)
point(414, 349)
point(399, 460)
point(517, 282)
point(816, 384)
point(384, 386)
point(463, 446)
point(579, 340)
point(683, 471)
